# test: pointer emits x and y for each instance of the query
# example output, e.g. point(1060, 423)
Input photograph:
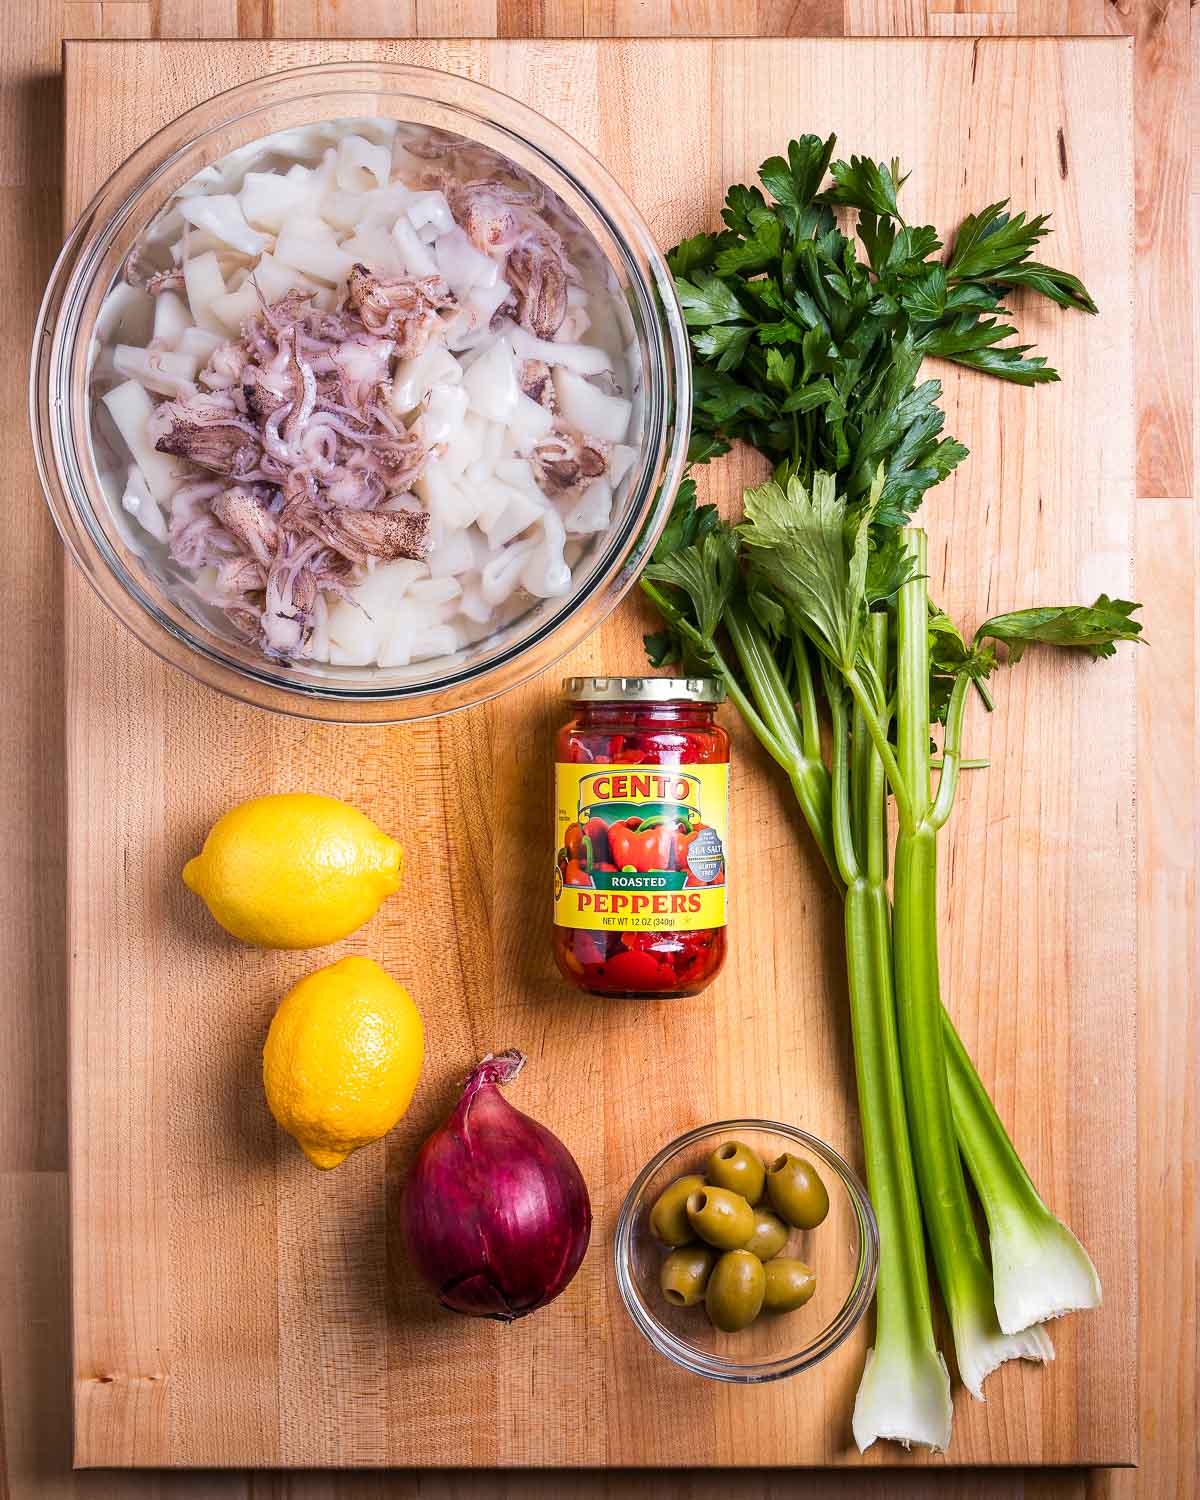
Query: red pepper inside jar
point(642, 779)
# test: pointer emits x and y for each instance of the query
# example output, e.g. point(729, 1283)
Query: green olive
point(769, 1237)
point(795, 1191)
point(739, 1169)
point(789, 1284)
point(685, 1272)
point(668, 1217)
point(722, 1218)
point(734, 1297)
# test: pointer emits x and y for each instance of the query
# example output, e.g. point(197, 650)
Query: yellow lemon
point(294, 870)
point(342, 1058)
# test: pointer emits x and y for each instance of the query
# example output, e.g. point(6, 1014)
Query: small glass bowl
point(843, 1251)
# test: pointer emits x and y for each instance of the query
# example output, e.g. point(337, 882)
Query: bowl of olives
point(746, 1250)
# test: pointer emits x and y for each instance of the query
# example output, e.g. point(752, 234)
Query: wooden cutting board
point(232, 1306)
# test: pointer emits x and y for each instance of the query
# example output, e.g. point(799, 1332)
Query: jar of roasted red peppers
point(642, 816)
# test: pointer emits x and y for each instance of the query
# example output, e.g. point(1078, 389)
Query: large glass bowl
point(93, 259)
point(843, 1251)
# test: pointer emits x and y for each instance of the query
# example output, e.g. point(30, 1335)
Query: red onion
point(496, 1211)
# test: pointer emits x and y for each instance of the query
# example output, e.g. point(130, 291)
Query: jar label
point(641, 848)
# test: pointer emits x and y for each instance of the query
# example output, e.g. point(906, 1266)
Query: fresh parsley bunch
point(807, 344)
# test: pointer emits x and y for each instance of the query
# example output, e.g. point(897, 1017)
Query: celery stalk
point(1039, 1268)
point(963, 1272)
point(798, 733)
point(904, 1393)
point(806, 578)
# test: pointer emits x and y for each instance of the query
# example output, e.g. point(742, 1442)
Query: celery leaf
point(812, 553)
point(706, 573)
point(1094, 628)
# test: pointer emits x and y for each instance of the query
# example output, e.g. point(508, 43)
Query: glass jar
point(642, 809)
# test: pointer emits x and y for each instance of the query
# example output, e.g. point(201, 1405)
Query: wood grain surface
point(34, 1425)
point(232, 1305)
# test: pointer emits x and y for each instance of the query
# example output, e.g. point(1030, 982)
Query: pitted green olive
point(668, 1217)
point(722, 1218)
point(734, 1297)
point(795, 1191)
point(770, 1235)
point(685, 1272)
point(736, 1167)
point(788, 1284)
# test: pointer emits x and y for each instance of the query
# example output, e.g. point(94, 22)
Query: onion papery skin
point(496, 1213)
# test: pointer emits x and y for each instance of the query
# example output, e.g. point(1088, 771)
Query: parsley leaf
point(705, 446)
point(1058, 286)
point(722, 398)
point(866, 184)
point(691, 255)
point(925, 297)
point(727, 341)
point(744, 207)
point(971, 340)
point(796, 181)
point(687, 523)
point(994, 247)
point(708, 300)
point(992, 239)
point(808, 344)
point(755, 253)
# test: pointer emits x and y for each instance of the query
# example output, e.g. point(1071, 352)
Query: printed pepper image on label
point(641, 847)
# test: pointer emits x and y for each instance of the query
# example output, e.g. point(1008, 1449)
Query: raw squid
point(383, 397)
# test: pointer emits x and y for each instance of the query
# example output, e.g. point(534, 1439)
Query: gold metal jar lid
point(644, 689)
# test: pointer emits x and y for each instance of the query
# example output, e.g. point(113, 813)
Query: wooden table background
point(34, 1364)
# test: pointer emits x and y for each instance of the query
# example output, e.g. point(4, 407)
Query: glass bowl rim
point(61, 329)
point(831, 1337)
